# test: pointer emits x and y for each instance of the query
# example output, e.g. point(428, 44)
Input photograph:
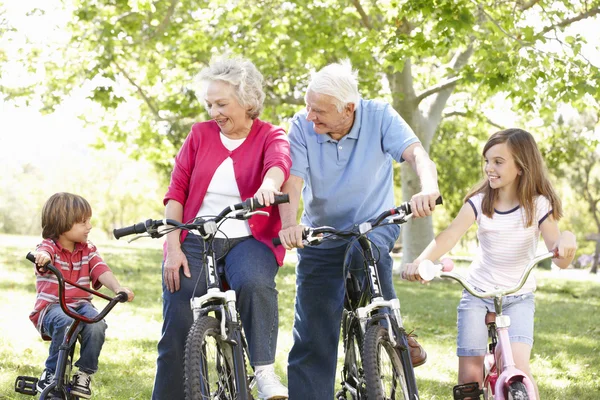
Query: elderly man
point(342, 149)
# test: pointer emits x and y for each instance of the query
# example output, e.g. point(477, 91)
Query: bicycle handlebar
point(403, 211)
point(150, 226)
point(121, 297)
point(431, 270)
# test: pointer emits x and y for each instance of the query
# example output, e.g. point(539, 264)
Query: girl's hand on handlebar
point(422, 204)
point(175, 260)
point(566, 245)
point(292, 237)
point(411, 272)
point(130, 294)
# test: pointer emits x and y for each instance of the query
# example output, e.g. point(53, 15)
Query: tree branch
point(434, 89)
point(165, 22)
point(363, 15)
point(528, 5)
point(569, 21)
point(140, 91)
point(479, 116)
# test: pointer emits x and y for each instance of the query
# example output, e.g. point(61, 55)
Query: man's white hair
point(240, 73)
point(338, 80)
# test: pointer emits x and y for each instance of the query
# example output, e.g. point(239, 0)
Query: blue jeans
point(320, 283)
point(250, 268)
point(56, 324)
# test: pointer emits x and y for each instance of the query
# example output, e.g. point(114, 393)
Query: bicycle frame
point(500, 351)
point(217, 300)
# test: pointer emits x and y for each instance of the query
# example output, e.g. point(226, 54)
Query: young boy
point(65, 228)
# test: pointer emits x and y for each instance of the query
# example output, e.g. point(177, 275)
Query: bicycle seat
point(353, 290)
point(490, 318)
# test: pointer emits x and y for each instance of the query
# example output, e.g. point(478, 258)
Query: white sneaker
point(269, 385)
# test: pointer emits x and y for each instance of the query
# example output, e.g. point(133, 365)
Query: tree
point(576, 138)
point(432, 60)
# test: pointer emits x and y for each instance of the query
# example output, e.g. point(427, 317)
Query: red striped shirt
point(82, 266)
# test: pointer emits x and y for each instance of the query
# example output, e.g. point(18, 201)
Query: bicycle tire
point(209, 364)
point(352, 370)
point(517, 391)
point(388, 370)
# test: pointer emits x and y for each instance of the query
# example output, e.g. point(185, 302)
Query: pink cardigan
point(201, 154)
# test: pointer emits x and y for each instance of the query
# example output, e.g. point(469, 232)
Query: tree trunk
point(594, 269)
point(416, 233)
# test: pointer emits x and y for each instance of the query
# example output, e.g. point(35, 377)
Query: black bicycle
point(215, 348)
point(60, 388)
point(377, 362)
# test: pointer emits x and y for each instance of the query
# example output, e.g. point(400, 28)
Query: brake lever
point(136, 237)
point(247, 215)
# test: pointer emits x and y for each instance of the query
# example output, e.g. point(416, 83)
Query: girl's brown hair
point(533, 180)
point(61, 212)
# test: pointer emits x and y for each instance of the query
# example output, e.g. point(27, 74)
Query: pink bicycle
point(511, 383)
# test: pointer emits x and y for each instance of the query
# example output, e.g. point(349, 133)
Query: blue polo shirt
point(349, 181)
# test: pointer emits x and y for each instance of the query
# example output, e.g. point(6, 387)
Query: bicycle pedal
point(467, 391)
point(26, 385)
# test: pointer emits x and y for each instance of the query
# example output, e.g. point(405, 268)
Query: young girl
point(512, 206)
point(65, 228)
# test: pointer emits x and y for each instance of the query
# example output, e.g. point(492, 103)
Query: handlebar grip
point(30, 257)
point(129, 230)
point(122, 297)
point(276, 242)
point(281, 198)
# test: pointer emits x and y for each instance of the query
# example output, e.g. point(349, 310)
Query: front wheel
point(210, 364)
point(517, 391)
point(388, 370)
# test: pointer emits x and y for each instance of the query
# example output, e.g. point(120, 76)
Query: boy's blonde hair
point(61, 211)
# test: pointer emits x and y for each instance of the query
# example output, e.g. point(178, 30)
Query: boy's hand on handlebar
point(41, 258)
point(292, 237)
point(175, 260)
point(130, 294)
point(422, 204)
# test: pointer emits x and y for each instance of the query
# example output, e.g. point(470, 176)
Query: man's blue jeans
point(56, 324)
point(250, 268)
point(320, 280)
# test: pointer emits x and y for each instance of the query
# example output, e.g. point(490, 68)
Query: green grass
point(565, 358)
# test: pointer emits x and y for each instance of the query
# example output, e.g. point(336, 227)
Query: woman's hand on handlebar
point(266, 194)
point(175, 259)
point(130, 294)
point(422, 204)
point(292, 236)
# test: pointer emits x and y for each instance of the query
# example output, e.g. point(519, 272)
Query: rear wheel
point(517, 391)
point(209, 364)
point(388, 370)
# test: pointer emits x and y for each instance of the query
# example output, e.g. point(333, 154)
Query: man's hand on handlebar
point(175, 259)
point(422, 204)
point(292, 237)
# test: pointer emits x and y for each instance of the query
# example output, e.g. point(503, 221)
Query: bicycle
point(377, 362)
point(511, 383)
point(60, 388)
point(215, 348)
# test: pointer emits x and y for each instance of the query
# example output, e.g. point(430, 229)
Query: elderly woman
point(230, 158)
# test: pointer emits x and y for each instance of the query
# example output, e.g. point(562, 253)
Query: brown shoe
point(417, 353)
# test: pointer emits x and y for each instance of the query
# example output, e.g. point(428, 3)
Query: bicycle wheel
point(517, 391)
point(209, 364)
point(352, 372)
point(388, 370)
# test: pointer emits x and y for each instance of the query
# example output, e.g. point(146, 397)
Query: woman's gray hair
point(243, 76)
point(338, 80)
